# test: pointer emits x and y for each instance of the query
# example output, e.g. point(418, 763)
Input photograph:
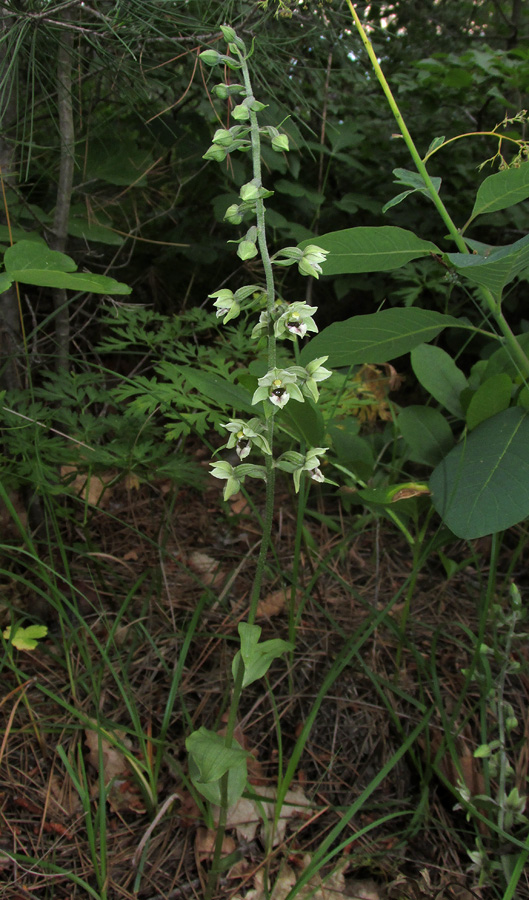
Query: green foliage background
point(147, 210)
point(146, 205)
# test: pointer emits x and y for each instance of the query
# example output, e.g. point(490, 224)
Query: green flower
point(308, 260)
point(280, 143)
point(247, 250)
point(261, 329)
point(244, 434)
point(241, 112)
point(225, 137)
point(223, 469)
point(234, 214)
point(226, 304)
point(296, 321)
point(315, 372)
point(296, 463)
point(232, 37)
point(307, 378)
point(226, 140)
point(211, 57)
point(229, 304)
point(223, 91)
point(218, 154)
point(309, 264)
point(278, 386)
point(234, 477)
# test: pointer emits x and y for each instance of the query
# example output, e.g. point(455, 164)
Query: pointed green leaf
point(403, 494)
point(20, 234)
point(31, 262)
point(413, 180)
point(118, 162)
point(83, 282)
point(257, 657)
point(496, 269)
point(482, 486)
point(427, 434)
point(296, 189)
point(435, 144)
point(5, 282)
point(501, 360)
point(370, 249)
point(306, 419)
point(352, 451)
point(492, 397)
point(226, 394)
point(211, 754)
point(376, 338)
point(90, 231)
point(31, 255)
point(210, 759)
point(502, 190)
point(396, 200)
point(438, 373)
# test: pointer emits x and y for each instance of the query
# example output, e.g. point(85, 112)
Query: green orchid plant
point(217, 764)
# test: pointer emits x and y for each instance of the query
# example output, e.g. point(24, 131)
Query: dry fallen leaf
point(239, 504)
point(114, 761)
point(282, 886)
point(246, 816)
point(131, 555)
point(272, 604)
point(63, 799)
point(205, 844)
point(207, 567)
point(124, 794)
point(131, 482)
point(333, 886)
point(93, 489)
point(362, 889)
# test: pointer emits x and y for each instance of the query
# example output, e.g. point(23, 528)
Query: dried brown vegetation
point(98, 687)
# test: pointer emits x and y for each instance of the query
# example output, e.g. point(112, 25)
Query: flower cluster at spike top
point(279, 320)
point(277, 387)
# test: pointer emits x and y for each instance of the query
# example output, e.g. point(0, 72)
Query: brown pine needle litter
point(94, 795)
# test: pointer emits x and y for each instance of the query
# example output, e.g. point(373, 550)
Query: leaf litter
point(349, 742)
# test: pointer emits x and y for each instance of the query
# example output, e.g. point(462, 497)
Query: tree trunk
point(10, 325)
point(64, 187)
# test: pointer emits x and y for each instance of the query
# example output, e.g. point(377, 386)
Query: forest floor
point(382, 713)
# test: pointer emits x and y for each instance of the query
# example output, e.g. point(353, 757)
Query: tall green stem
point(421, 168)
point(270, 480)
point(493, 303)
